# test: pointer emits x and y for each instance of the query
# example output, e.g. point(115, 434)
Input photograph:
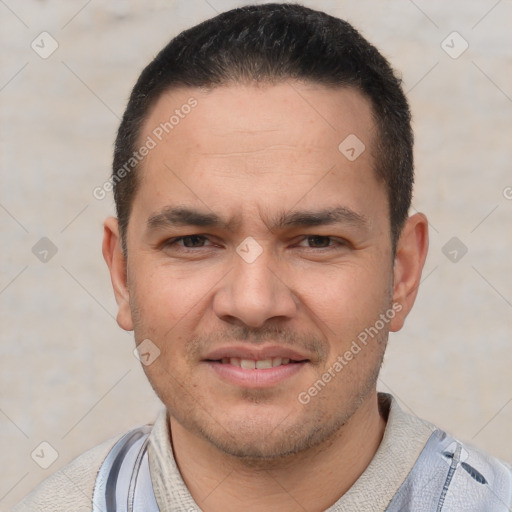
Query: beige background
point(68, 375)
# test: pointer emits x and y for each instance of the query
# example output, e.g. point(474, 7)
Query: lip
point(255, 378)
point(254, 353)
point(264, 378)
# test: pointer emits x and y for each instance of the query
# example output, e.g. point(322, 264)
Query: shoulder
point(455, 476)
point(70, 488)
point(441, 470)
point(478, 478)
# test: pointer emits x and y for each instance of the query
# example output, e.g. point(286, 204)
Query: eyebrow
point(183, 216)
point(327, 216)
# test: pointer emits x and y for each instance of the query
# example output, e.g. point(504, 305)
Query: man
point(262, 252)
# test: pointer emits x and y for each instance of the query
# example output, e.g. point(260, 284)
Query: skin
point(250, 153)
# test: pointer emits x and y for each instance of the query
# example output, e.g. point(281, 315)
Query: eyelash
point(174, 242)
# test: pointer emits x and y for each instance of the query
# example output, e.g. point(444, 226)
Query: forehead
point(257, 143)
point(308, 113)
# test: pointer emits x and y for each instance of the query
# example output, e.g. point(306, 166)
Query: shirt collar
point(404, 438)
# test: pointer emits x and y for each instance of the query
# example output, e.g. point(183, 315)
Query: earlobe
point(116, 262)
point(411, 253)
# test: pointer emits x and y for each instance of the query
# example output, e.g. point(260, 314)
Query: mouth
point(258, 364)
point(255, 369)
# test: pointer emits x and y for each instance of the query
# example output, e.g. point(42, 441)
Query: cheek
point(345, 297)
point(164, 295)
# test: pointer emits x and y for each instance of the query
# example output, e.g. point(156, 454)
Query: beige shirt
point(404, 438)
point(71, 488)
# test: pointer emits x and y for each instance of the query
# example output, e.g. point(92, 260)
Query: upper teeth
point(260, 364)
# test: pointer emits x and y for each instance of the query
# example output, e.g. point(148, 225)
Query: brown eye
point(321, 243)
point(193, 240)
point(187, 242)
point(318, 241)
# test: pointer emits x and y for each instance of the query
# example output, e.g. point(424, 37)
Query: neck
point(312, 480)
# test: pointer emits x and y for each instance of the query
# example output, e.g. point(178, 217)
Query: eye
point(189, 241)
point(321, 242)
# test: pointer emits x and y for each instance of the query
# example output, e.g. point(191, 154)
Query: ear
point(113, 254)
point(411, 253)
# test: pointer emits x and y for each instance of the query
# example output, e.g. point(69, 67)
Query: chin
point(269, 438)
point(251, 447)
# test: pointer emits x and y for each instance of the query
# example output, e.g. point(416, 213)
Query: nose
point(254, 292)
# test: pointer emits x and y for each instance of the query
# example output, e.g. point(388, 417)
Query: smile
point(260, 364)
point(255, 373)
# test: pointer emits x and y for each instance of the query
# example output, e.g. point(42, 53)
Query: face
point(258, 254)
